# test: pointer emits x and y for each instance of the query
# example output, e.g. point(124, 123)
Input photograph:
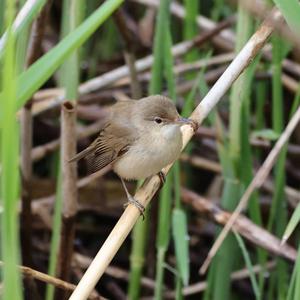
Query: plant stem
point(9, 163)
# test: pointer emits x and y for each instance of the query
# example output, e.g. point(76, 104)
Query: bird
point(138, 139)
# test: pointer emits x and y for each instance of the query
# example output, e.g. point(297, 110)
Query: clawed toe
point(137, 204)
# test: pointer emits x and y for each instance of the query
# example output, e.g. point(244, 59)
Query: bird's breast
point(148, 155)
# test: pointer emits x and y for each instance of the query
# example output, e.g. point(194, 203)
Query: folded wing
point(112, 142)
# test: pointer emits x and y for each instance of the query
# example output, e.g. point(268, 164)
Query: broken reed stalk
point(151, 185)
point(245, 227)
point(69, 190)
point(256, 183)
point(34, 52)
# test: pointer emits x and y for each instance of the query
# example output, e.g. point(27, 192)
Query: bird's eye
point(158, 120)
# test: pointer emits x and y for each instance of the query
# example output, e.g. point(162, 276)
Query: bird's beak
point(186, 121)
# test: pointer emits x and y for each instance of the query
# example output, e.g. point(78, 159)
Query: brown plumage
point(139, 138)
point(117, 135)
point(113, 139)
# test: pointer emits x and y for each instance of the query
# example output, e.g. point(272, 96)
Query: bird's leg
point(162, 177)
point(132, 201)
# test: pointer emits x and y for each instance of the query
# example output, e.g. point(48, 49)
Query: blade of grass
point(294, 287)
point(291, 12)
point(296, 278)
point(21, 50)
point(248, 265)
point(72, 17)
point(161, 24)
point(291, 289)
point(10, 174)
point(183, 260)
point(163, 235)
point(231, 189)
point(221, 284)
point(247, 172)
point(190, 28)
point(179, 226)
point(244, 29)
point(278, 209)
point(294, 220)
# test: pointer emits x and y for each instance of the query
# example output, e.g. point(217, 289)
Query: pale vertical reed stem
point(151, 185)
point(69, 190)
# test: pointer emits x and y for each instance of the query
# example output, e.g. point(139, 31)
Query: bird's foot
point(137, 204)
point(162, 178)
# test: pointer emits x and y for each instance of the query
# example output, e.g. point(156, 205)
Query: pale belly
point(141, 162)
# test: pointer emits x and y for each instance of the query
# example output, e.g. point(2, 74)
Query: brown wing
point(112, 142)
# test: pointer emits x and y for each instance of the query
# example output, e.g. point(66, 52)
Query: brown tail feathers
point(82, 154)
